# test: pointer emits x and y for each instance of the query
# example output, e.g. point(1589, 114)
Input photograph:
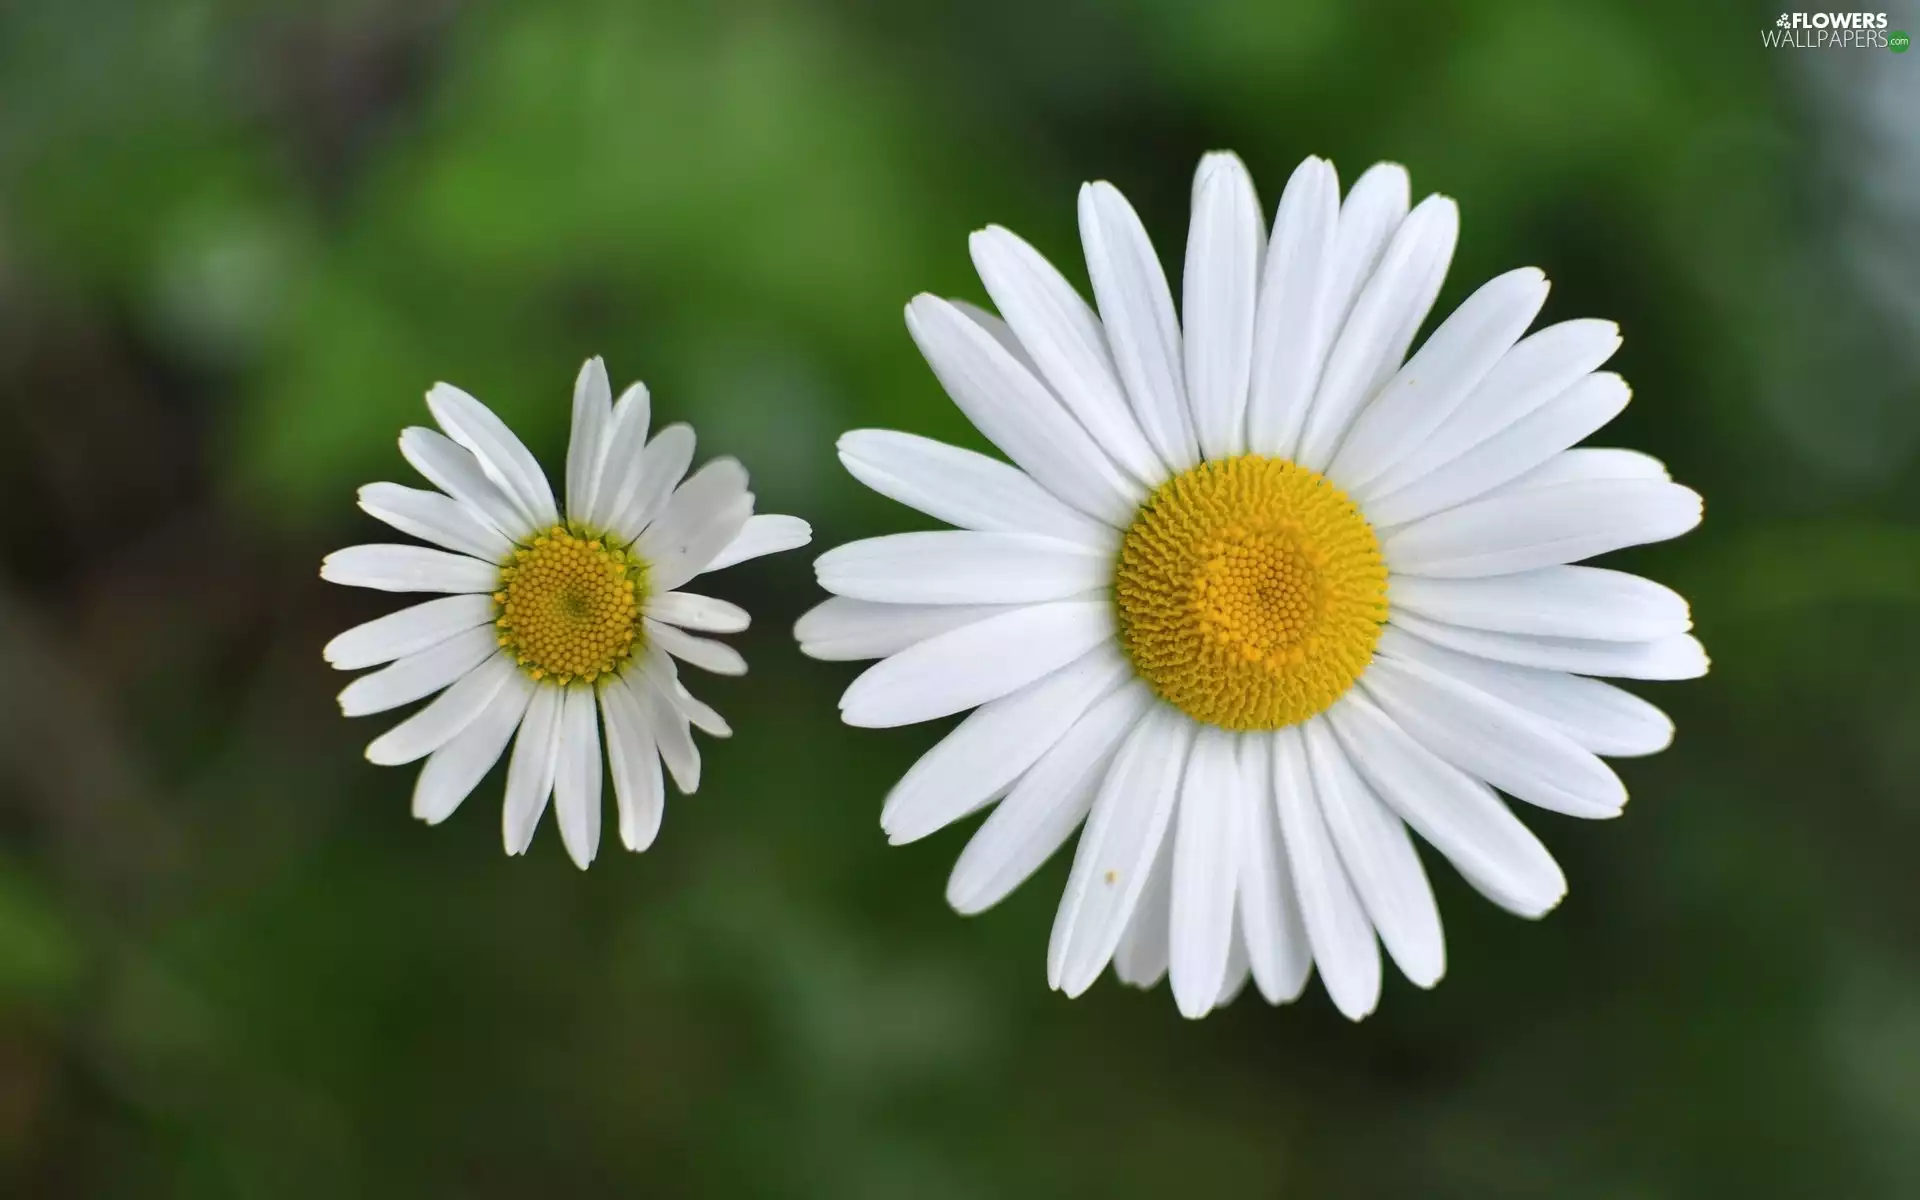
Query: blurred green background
point(237, 242)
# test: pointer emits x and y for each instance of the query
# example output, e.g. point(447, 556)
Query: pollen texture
point(570, 606)
point(1251, 592)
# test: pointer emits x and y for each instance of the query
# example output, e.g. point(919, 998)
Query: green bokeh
point(238, 240)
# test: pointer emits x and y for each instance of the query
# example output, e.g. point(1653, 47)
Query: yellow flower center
point(1251, 592)
point(570, 606)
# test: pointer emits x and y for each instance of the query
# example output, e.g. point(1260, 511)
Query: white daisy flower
point(550, 616)
point(1256, 595)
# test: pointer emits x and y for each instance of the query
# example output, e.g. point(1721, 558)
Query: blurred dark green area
point(237, 242)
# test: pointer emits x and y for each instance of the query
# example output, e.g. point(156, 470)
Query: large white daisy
point(550, 616)
point(1256, 595)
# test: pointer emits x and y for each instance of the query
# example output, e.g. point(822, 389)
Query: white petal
point(953, 566)
point(618, 474)
point(1579, 602)
point(999, 330)
point(577, 779)
point(530, 772)
point(1375, 336)
point(449, 467)
point(1461, 817)
point(1519, 448)
point(421, 673)
point(1206, 872)
point(1503, 534)
point(705, 514)
point(1596, 715)
point(1488, 738)
point(587, 445)
point(1117, 848)
point(1224, 243)
point(1290, 336)
point(391, 567)
point(1337, 927)
point(1045, 806)
point(1540, 367)
point(703, 613)
point(704, 653)
point(1065, 343)
point(1239, 968)
point(455, 769)
point(1145, 949)
point(1381, 863)
point(1277, 949)
point(1136, 309)
point(652, 692)
point(444, 719)
point(638, 789)
point(994, 745)
point(975, 663)
point(1434, 382)
point(437, 518)
point(1018, 414)
point(698, 713)
point(398, 634)
point(963, 488)
point(504, 458)
point(1374, 210)
point(1678, 657)
point(766, 533)
point(843, 630)
point(1589, 463)
point(663, 464)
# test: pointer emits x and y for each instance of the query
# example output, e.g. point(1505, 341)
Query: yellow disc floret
point(1251, 592)
point(570, 606)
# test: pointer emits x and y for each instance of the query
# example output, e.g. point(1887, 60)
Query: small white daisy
point(549, 613)
point(1257, 595)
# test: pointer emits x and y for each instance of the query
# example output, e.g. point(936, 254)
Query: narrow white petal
point(1370, 344)
point(638, 790)
point(1678, 657)
point(1490, 739)
point(530, 772)
point(1440, 375)
point(1460, 816)
point(1289, 337)
point(502, 455)
point(1136, 309)
point(702, 613)
point(455, 769)
point(999, 330)
point(651, 693)
point(618, 476)
point(1277, 949)
point(1374, 210)
point(1117, 848)
point(763, 534)
point(1018, 414)
point(1239, 967)
point(1045, 806)
point(705, 514)
point(577, 779)
point(995, 744)
point(1599, 716)
point(843, 630)
point(1510, 454)
point(398, 634)
point(1206, 871)
point(964, 488)
point(1145, 949)
point(437, 518)
point(444, 719)
point(1589, 463)
point(1337, 927)
point(1503, 534)
point(392, 567)
point(1066, 345)
point(1578, 602)
point(663, 464)
point(421, 673)
point(1538, 368)
point(1380, 859)
point(451, 468)
point(587, 445)
point(1224, 243)
point(699, 714)
point(704, 653)
point(975, 663)
point(960, 566)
